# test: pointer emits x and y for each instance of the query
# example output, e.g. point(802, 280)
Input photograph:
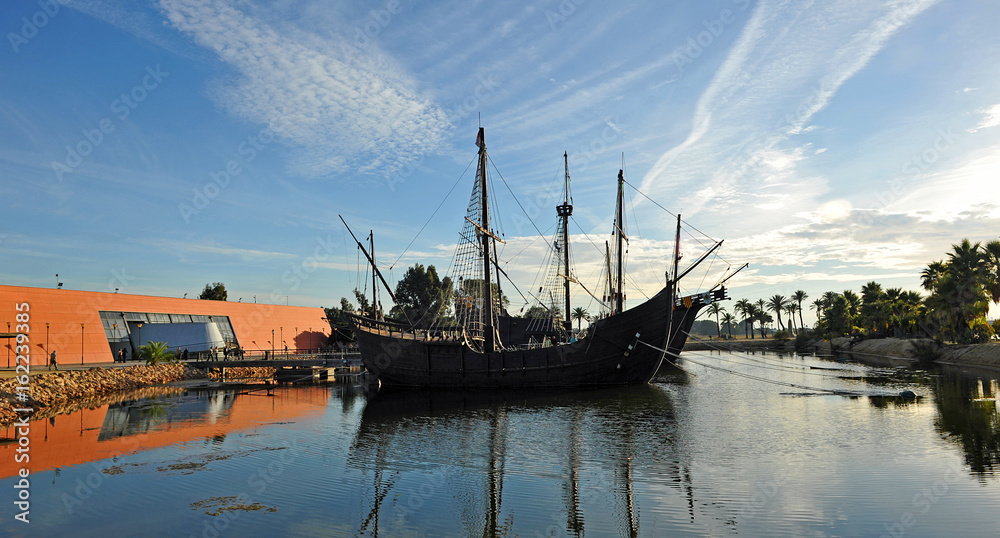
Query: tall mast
point(371, 244)
point(620, 228)
point(489, 340)
point(564, 211)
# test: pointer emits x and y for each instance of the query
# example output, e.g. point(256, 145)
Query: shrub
point(804, 340)
point(926, 350)
point(156, 353)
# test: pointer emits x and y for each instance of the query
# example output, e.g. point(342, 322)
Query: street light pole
point(81, 344)
point(272, 343)
point(8, 344)
point(46, 339)
point(283, 340)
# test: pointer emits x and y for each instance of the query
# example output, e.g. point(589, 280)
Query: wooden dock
point(318, 374)
point(339, 367)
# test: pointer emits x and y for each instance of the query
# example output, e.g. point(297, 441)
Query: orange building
point(90, 327)
point(116, 429)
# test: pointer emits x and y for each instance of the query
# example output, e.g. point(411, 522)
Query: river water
point(731, 444)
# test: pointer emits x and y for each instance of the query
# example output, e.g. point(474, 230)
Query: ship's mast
point(564, 211)
point(489, 340)
point(371, 244)
point(620, 229)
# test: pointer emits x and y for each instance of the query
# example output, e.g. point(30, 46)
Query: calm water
point(700, 453)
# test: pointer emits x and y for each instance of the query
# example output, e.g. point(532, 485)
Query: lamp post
point(8, 345)
point(81, 344)
point(46, 339)
point(282, 334)
point(272, 343)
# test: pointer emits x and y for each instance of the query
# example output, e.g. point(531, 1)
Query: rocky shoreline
point(54, 393)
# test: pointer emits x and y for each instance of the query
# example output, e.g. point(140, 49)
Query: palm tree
point(752, 313)
point(715, 309)
point(765, 320)
point(931, 274)
point(791, 309)
point(798, 297)
point(579, 314)
point(819, 305)
point(156, 352)
point(742, 307)
point(777, 305)
point(853, 303)
point(991, 259)
point(761, 312)
point(728, 320)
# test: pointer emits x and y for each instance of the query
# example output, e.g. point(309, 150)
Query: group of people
point(213, 353)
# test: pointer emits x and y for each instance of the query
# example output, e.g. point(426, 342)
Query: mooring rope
point(839, 392)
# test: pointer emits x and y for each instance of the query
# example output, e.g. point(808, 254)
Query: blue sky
point(158, 146)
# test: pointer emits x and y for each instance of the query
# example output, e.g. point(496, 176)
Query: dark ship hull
point(614, 352)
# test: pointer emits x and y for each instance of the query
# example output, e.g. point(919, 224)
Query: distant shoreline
point(974, 355)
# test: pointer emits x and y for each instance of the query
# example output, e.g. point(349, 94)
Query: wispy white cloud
point(786, 66)
point(242, 254)
point(343, 112)
point(991, 118)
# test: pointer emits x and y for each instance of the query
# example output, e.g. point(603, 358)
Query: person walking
point(52, 361)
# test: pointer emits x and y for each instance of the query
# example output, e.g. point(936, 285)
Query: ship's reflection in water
point(702, 453)
point(443, 461)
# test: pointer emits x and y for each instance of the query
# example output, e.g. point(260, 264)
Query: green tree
point(422, 297)
point(991, 259)
point(579, 314)
point(215, 291)
point(959, 294)
point(728, 320)
point(761, 312)
point(715, 309)
point(156, 353)
point(798, 297)
point(790, 309)
point(539, 311)
point(340, 326)
point(874, 311)
point(742, 309)
point(819, 305)
point(777, 305)
point(753, 314)
point(363, 305)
